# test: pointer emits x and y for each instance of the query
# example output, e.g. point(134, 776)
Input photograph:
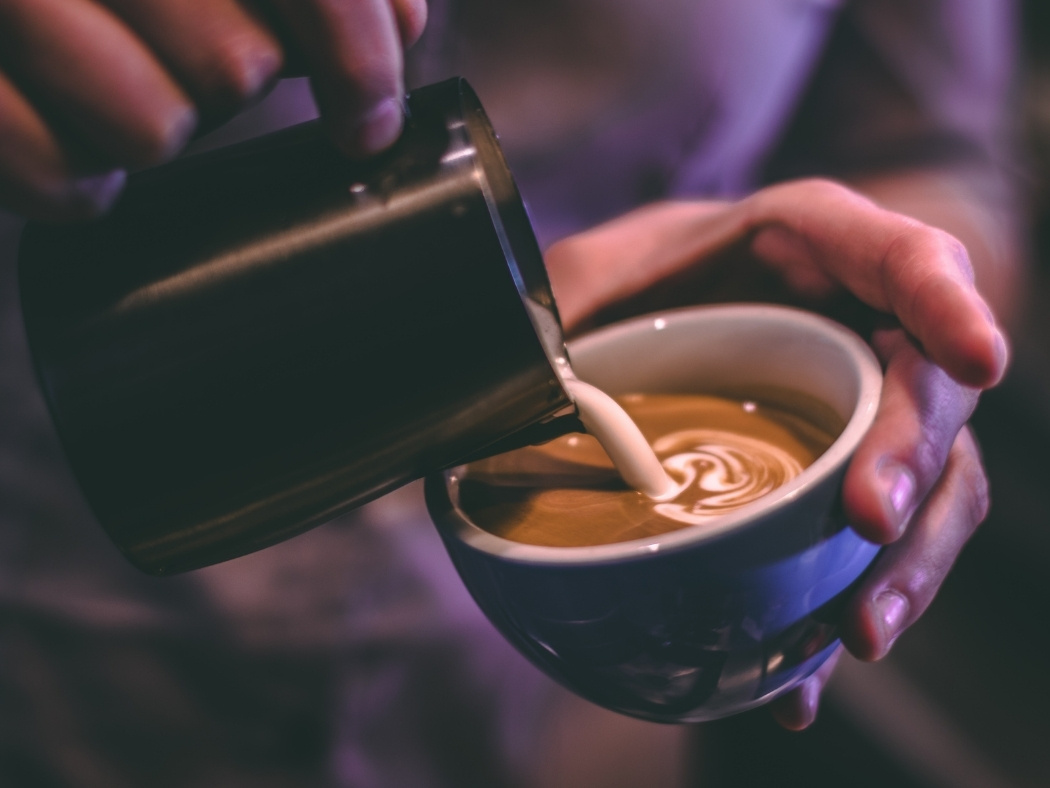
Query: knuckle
point(914, 262)
point(935, 244)
point(912, 242)
point(956, 250)
point(950, 243)
point(918, 244)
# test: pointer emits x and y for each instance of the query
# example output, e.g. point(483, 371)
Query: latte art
point(720, 454)
point(721, 471)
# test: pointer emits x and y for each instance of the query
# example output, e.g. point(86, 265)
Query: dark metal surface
point(259, 338)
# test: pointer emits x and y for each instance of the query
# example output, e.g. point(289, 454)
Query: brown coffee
point(722, 453)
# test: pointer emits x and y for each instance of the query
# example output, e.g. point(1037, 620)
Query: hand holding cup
point(916, 482)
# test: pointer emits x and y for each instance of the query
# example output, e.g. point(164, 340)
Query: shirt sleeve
point(905, 84)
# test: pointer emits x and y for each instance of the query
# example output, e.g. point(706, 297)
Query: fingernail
point(97, 193)
point(181, 125)
point(380, 128)
point(897, 489)
point(891, 607)
point(810, 702)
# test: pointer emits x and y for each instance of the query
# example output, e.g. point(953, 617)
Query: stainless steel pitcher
point(261, 337)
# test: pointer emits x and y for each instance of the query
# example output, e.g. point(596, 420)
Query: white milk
point(628, 449)
point(730, 469)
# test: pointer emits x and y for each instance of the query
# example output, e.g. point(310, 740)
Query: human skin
point(89, 90)
point(916, 483)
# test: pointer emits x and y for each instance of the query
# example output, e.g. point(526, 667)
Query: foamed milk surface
point(719, 453)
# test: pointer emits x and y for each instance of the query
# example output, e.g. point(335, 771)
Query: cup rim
point(869, 378)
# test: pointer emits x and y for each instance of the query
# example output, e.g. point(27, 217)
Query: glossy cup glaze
point(709, 620)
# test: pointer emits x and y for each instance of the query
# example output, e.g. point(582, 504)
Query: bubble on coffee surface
point(721, 454)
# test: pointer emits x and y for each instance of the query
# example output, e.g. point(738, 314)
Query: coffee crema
point(722, 453)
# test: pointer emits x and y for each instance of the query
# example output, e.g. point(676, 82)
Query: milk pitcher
point(259, 338)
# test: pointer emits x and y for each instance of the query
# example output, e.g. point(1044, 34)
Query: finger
point(353, 52)
point(36, 178)
point(920, 413)
point(797, 710)
point(891, 262)
point(627, 255)
point(411, 20)
point(90, 75)
point(220, 53)
point(907, 574)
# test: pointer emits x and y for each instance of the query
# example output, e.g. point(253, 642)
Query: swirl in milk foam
point(718, 472)
point(697, 457)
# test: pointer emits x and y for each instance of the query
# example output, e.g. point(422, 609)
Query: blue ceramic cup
point(708, 620)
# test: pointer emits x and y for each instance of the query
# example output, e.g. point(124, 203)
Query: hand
point(916, 482)
point(92, 88)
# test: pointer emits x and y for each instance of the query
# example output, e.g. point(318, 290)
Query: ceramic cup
point(709, 620)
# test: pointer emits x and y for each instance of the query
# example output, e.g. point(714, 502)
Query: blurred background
point(961, 702)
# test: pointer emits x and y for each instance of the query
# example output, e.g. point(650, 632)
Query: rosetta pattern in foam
point(718, 471)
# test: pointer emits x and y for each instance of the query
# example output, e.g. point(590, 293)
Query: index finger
point(894, 264)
